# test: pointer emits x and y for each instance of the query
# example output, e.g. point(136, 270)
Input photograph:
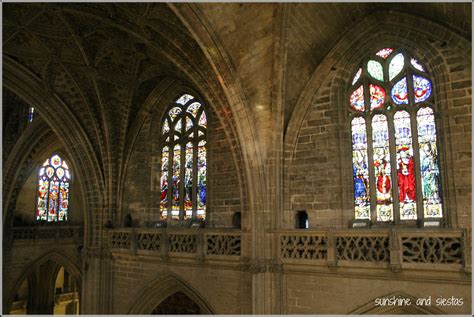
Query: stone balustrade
point(391, 248)
point(165, 242)
point(40, 233)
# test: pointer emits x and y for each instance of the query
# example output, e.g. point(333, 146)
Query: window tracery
point(395, 156)
point(53, 190)
point(184, 160)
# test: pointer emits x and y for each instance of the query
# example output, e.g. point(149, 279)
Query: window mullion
point(416, 149)
point(368, 125)
point(182, 169)
point(394, 166)
point(170, 175)
point(195, 175)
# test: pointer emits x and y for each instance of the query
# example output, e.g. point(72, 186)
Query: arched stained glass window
point(53, 190)
point(184, 160)
point(395, 155)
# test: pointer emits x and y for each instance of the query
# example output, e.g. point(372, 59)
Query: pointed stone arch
point(371, 309)
point(55, 255)
point(155, 291)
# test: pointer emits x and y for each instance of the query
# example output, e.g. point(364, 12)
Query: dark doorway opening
point(177, 304)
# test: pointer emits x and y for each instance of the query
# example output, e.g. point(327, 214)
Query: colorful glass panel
point(53, 201)
point(176, 179)
point(189, 123)
point(63, 201)
point(200, 133)
point(56, 161)
point(357, 99)
point(184, 99)
point(60, 172)
point(203, 120)
point(421, 88)
point(164, 182)
point(194, 108)
point(375, 69)
point(396, 66)
point(31, 114)
point(417, 65)
point(382, 168)
point(357, 76)
point(400, 92)
point(385, 52)
point(166, 127)
point(42, 205)
point(405, 166)
point(46, 163)
point(188, 182)
point(430, 178)
point(179, 125)
point(360, 169)
point(174, 112)
point(377, 96)
point(64, 165)
point(201, 180)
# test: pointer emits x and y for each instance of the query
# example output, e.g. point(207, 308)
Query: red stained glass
point(377, 96)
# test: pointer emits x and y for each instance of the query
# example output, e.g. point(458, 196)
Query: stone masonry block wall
point(318, 294)
point(130, 275)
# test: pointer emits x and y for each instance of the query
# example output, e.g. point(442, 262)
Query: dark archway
point(177, 304)
point(158, 290)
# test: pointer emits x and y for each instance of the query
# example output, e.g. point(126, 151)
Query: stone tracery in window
point(184, 160)
point(395, 156)
point(53, 190)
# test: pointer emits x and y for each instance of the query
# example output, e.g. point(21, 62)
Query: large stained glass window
point(395, 157)
point(184, 160)
point(53, 190)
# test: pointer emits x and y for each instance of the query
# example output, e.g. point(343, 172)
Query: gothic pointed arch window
point(395, 153)
point(184, 160)
point(53, 190)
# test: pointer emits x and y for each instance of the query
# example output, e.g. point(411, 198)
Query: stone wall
point(307, 294)
point(133, 274)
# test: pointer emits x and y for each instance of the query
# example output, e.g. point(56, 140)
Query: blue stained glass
point(421, 88)
point(360, 169)
point(399, 92)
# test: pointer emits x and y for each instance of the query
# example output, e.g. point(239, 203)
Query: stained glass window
point(357, 99)
point(375, 70)
point(184, 160)
point(53, 190)
point(385, 52)
point(394, 141)
point(360, 169)
point(396, 66)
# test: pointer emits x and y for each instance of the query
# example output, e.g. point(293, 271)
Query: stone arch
point(370, 309)
point(28, 87)
point(166, 92)
point(57, 256)
point(155, 291)
point(342, 61)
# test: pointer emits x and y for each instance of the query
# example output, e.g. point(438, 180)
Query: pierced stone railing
point(391, 248)
point(39, 233)
point(170, 242)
